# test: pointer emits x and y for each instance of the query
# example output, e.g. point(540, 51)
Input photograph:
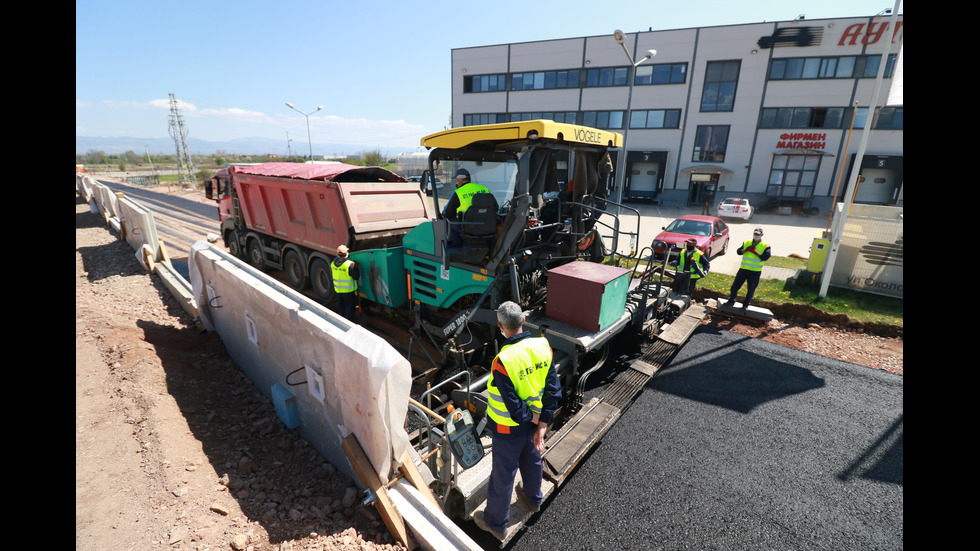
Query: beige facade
point(782, 138)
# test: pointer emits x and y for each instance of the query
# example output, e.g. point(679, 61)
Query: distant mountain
point(247, 146)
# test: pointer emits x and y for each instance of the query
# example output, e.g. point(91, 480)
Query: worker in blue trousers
point(523, 396)
point(754, 253)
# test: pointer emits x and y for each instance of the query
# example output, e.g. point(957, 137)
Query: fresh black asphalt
point(740, 444)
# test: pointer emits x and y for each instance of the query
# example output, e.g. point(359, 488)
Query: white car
point(735, 207)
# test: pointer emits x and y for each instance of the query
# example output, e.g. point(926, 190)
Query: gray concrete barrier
point(328, 377)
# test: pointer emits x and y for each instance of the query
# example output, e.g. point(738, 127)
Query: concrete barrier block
point(276, 336)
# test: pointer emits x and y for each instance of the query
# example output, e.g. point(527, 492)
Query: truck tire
point(321, 278)
point(292, 264)
point(234, 248)
point(255, 256)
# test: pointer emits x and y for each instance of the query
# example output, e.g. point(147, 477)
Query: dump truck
point(545, 237)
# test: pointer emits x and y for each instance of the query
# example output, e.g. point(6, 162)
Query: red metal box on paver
point(587, 295)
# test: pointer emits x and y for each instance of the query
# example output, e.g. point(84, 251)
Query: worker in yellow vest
point(692, 261)
point(754, 253)
point(345, 273)
point(459, 203)
point(523, 395)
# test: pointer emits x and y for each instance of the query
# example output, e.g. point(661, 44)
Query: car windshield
point(735, 201)
point(690, 227)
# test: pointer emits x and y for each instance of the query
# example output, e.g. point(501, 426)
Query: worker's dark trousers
point(750, 277)
point(512, 452)
point(347, 304)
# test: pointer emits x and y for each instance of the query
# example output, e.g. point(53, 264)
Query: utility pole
point(185, 166)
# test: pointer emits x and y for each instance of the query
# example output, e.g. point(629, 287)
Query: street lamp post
point(621, 165)
point(307, 115)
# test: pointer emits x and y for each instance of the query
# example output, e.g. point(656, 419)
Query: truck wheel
point(234, 248)
point(295, 274)
point(321, 279)
point(255, 257)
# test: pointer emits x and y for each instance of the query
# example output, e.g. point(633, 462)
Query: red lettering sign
point(802, 140)
point(869, 36)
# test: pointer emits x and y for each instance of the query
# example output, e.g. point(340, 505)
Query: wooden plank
point(371, 481)
point(412, 474)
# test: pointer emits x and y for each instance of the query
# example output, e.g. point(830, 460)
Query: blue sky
point(381, 69)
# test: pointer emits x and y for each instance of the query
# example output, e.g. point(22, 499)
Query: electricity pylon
point(185, 166)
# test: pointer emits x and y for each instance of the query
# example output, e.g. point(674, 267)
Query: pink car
point(711, 234)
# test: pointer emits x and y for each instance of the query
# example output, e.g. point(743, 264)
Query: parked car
point(711, 233)
point(735, 207)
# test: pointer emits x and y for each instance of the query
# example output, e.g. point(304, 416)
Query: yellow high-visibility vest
point(695, 257)
point(342, 281)
point(465, 193)
point(526, 363)
point(752, 260)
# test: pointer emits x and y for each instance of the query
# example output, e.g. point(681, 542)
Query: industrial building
point(771, 111)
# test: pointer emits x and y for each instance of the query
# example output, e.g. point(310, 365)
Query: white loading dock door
point(878, 187)
point(643, 179)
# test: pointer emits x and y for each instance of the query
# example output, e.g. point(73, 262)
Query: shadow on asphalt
point(738, 381)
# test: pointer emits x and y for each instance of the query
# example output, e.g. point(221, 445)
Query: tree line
point(207, 165)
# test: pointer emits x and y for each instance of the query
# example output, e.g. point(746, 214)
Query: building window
point(710, 143)
point(656, 118)
point(472, 119)
point(664, 73)
point(567, 117)
point(603, 119)
point(800, 68)
point(484, 83)
point(793, 176)
point(545, 80)
point(889, 118)
point(606, 76)
point(802, 117)
point(720, 80)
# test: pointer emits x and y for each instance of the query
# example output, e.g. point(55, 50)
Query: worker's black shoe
point(526, 501)
point(482, 523)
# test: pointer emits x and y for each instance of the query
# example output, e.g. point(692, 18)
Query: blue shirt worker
point(524, 393)
point(459, 203)
point(344, 272)
point(754, 253)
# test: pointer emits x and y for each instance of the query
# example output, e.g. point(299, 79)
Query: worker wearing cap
point(754, 253)
point(459, 203)
point(345, 273)
point(523, 395)
point(692, 261)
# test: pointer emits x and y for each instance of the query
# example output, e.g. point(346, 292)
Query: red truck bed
point(324, 206)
